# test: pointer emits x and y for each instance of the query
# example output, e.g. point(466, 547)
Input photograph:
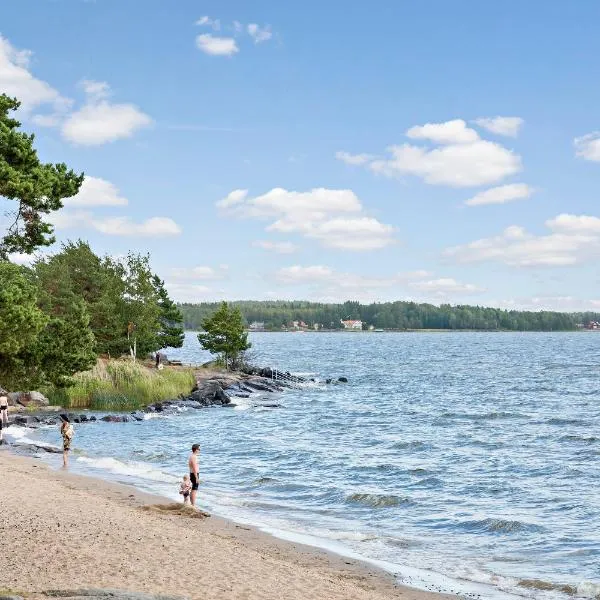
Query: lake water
point(466, 461)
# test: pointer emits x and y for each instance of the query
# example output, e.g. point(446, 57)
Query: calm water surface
point(455, 458)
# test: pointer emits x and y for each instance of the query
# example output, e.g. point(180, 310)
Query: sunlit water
point(450, 457)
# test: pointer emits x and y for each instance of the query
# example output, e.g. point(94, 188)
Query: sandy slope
point(63, 531)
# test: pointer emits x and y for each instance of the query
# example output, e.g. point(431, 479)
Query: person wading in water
point(194, 472)
point(67, 432)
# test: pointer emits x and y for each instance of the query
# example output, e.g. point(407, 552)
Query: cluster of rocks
point(218, 391)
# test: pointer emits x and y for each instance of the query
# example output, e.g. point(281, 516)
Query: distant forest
point(391, 315)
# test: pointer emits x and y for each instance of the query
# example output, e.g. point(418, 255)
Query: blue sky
point(433, 150)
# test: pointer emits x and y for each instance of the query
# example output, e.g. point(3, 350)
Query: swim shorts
point(194, 480)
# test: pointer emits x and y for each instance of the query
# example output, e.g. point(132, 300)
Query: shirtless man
point(194, 472)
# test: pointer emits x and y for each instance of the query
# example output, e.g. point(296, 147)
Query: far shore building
point(352, 324)
point(257, 326)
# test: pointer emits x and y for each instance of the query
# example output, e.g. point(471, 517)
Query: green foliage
point(36, 188)
point(21, 322)
point(391, 315)
point(99, 284)
point(224, 334)
point(140, 304)
point(128, 306)
point(171, 334)
point(122, 385)
point(44, 333)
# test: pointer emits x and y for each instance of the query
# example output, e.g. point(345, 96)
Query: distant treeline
point(390, 315)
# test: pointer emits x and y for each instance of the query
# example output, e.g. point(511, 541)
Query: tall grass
point(122, 385)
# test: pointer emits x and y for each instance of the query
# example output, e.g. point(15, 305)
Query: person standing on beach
point(194, 472)
point(67, 432)
point(4, 408)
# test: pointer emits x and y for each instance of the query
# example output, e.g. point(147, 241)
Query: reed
point(119, 385)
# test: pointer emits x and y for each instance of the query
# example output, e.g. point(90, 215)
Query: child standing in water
point(185, 488)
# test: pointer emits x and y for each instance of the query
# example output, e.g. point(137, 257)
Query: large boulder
point(27, 399)
point(209, 393)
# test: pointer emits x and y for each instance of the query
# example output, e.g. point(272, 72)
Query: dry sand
point(63, 531)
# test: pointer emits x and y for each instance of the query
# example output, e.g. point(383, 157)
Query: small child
point(186, 488)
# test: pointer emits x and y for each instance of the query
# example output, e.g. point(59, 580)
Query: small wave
point(131, 469)
point(428, 482)
point(499, 526)
point(377, 500)
point(488, 416)
point(547, 586)
point(561, 421)
point(419, 471)
point(580, 439)
point(264, 480)
point(588, 589)
point(415, 445)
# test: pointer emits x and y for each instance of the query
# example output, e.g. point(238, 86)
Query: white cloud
point(566, 223)
point(198, 273)
point(233, 198)
point(353, 159)
point(450, 132)
point(463, 160)
point(216, 46)
point(17, 80)
point(277, 247)
point(456, 165)
point(20, 258)
point(100, 121)
point(501, 194)
point(120, 226)
point(320, 214)
point(326, 284)
point(95, 191)
point(364, 233)
point(205, 21)
point(508, 126)
point(553, 303)
point(96, 90)
point(588, 146)
point(446, 286)
point(572, 240)
point(191, 292)
point(52, 120)
point(259, 34)
point(299, 274)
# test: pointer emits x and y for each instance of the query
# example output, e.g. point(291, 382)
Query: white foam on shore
point(130, 468)
point(21, 436)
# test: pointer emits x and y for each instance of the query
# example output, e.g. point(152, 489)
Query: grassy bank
point(115, 385)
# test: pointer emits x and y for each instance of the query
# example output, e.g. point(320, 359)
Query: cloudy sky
point(434, 150)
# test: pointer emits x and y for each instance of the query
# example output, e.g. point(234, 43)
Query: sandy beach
point(64, 531)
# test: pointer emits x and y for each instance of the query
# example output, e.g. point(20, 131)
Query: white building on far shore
point(352, 324)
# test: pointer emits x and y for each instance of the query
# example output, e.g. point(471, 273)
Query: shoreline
point(141, 542)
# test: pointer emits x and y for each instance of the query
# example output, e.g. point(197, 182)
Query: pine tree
point(224, 334)
point(171, 334)
point(37, 188)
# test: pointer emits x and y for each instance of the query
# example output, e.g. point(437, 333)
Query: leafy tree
point(140, 305)
point(99, 283)
point(37, 188)
point(171, 334)
point(21, 321)
point(44, 332)
point(224, 334)
point(66, 345)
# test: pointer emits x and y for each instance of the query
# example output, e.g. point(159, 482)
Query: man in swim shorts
point(194, 472)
